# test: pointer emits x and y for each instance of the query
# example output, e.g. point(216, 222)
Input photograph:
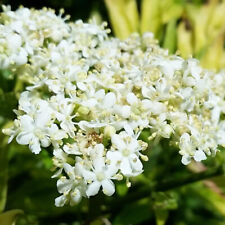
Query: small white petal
point(54, 85)
point(128, 129)
point(45, 142)
point(93, 188)
point(64, 185)
point(110, 100)
point(75, 197)
point(43, 118)
point(125, 167)
point(57, 173)
point(69, 170)
point(73, 149)
point(186, 159)
point(111, 170)
point(88, 175)
point(131, 98)
point(199, 156)
point(58, 153)
point(35, 146)
point(114, 157)
point(24, 138)
point(99, 163)
point(125, 111)
point(81, 86)
point(118, 142)
point(27, 122)
point(108, 187)
point(60, 201)
point(136, 163)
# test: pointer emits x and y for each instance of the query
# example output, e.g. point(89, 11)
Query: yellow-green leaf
point(170, 36)
point(131, 11)
point(150, 16)
point(161, 216)
point(123, 16)
point(184, 41)
point(170, 10)
point(10, 217)
point(214, 57)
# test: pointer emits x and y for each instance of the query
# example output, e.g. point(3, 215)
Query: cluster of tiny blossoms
point(89, 96)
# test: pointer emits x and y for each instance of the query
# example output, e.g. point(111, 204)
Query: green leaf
point(10, 217)
point(123, 16)
point(7, 80)
point(161, 216)
point(3, 176)
point(215, 201)
point(184, 40)
point(171, 10)
point(121, 189)
point(170, 36)
point(134, 213)
point(8, 102)
point(164, 201)
point(150, 16)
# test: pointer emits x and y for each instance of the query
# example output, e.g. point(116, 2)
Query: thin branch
point(165, 185)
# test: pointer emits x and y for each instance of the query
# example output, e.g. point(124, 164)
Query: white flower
point(126, 155)
point(63, 112)
point(101, 174)
point(33, 132)
point(89, 97)
point(72, 188)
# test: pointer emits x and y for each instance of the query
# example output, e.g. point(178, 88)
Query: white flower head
point(90, 96)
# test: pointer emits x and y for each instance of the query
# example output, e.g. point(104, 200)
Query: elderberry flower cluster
point(89, 96)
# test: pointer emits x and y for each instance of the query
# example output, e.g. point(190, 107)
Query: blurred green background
point(167, 192)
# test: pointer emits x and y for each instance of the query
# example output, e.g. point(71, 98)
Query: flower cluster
point(89, 96)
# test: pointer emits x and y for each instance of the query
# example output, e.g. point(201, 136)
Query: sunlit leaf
point(161, 216)
point(150, 16)
point(170, 36)
point(184, 40)
point(10, 217)
point(123, 16)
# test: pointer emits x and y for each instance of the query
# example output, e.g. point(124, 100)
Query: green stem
point(3, 176)
point(165, 185)
point(169, 184)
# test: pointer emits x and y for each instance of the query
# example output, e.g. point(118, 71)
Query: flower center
point(126, 152)
point(38, 133)
point(100, 176)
